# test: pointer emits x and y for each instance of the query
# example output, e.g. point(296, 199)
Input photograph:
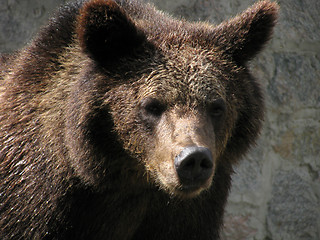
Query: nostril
point(189, 163)
point(194, 165)
point(205, 163)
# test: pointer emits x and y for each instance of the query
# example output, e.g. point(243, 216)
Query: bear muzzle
point(194, 166)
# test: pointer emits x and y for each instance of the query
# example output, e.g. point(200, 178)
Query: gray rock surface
point(20, 19)
point(276, 189)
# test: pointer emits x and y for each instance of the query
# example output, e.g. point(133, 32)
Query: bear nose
point(194, 166)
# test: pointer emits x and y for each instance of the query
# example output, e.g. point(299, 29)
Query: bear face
point(176, 110)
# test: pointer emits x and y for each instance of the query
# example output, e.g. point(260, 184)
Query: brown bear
point(120, 122)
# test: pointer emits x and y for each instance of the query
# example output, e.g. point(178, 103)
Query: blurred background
point(276, 188)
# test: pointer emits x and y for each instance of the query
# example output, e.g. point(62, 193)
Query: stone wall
point(276, 189)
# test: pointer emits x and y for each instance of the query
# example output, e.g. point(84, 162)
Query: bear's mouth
point(194, 189)
point(188, 192)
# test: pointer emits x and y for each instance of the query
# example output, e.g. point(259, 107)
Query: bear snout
point(194, 166)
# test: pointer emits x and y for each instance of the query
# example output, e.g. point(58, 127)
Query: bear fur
point(100, 111)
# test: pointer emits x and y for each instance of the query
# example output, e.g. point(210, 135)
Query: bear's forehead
point(185, 73)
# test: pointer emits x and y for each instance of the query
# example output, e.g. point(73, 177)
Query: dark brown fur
point(95, 109)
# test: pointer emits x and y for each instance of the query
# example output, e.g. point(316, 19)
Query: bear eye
point(217, 108)
point(152, 107)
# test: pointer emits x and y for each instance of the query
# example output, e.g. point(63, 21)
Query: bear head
point(160, 102)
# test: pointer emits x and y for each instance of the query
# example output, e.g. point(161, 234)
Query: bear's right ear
point(105, 31)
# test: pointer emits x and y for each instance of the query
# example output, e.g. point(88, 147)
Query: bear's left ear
point(105, 31)
point(244, 36)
